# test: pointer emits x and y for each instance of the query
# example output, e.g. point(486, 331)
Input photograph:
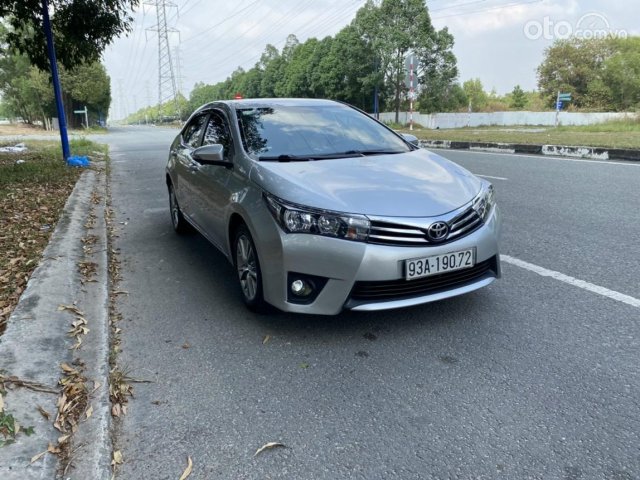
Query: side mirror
point(412, 139)
point(210, 155)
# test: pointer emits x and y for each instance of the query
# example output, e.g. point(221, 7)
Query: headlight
point(299, 219)
point(485, 201)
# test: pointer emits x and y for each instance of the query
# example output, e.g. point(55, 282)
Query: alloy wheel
point(246, 265)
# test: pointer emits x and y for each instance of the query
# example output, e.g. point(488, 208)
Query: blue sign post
point(64, 138)
point(562, 97)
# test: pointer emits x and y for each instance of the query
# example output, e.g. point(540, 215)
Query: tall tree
point(570, 66)
point(393, 29)
point(347, 70)
point(87, 85)
point(82, 28)
point(271, 63)
point(621, 73)
point(28, 92)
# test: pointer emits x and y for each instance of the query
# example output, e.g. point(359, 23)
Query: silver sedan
point(321, 208)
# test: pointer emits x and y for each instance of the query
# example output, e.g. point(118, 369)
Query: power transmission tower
point(178, 64)
point(148, 90)
point(166, 74)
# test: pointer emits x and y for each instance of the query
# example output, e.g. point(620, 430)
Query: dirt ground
point(23, 129)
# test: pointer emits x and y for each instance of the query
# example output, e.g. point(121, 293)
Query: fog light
point(300, 288)
point(303, 289)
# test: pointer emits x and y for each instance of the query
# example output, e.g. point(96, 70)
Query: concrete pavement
point(37, 342)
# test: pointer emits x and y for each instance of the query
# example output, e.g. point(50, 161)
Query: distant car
point(321, 208)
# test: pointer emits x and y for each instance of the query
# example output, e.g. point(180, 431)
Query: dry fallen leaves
point(187, 470)
point(37, 457)
point(117, 458)
point(44, 413)
point(32, 202)
point(120, 389)
point(266, 339)
point(268, 446)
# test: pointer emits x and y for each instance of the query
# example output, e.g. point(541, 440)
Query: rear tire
point(247, 265)
point(180, 224)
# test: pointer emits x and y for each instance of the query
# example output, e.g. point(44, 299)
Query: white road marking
point(489, 176)
point(590, 287)
point(540, 157)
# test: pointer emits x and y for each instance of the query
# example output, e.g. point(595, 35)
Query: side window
point(191, 135)
point(218, 132)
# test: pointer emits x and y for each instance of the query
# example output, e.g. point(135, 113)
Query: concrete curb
point(593, 153)
point(36, 343)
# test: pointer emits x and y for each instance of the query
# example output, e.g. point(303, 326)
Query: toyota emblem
point(438, 231)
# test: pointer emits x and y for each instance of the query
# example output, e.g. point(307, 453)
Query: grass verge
point(32, 196)
point(619, 134)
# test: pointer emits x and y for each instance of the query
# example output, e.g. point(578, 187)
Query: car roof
point(271, 102)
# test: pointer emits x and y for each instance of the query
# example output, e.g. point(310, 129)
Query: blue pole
point(376, 106)
point(64, 138)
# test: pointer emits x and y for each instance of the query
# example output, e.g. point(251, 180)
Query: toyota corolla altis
point(320, 207)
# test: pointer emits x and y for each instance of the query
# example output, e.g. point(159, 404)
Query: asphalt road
point(533, 377)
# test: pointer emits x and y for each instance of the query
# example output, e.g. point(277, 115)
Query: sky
point(501, 42)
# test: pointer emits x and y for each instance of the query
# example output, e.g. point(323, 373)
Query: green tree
point(443, 98)
point(28, 93)
point(475, 93)
point(295, 81)
point(393, 29)
point(570, 66)
point(621, 74)
point(437, 74)
point(271, 63)
point(87, 85)
point(346, 70)
point(518, 98)
point(82, 28)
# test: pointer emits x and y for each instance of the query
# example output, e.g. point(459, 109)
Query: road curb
point(592, 153)
point(36, 342)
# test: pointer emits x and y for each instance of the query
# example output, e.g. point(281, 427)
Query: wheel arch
point(234, 222)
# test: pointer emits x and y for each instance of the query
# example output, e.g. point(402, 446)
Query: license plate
point(447, 262)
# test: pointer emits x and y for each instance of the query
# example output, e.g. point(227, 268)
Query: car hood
point(413, 184)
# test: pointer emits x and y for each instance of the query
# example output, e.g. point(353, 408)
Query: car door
point(186, 169)
point(215, 181)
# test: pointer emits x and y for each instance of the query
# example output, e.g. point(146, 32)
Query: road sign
point(565, 97)
point(559, 105)
point(84, 112)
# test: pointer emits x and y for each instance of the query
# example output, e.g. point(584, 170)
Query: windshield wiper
point(284, 158)
point(372, 152)
point(301, 158)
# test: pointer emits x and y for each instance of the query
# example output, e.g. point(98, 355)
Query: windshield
point(288, 133)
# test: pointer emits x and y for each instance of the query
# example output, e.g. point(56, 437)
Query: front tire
point(248, 270)
point(180, 224)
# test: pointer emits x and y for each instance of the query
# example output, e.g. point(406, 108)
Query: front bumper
point(350, 266)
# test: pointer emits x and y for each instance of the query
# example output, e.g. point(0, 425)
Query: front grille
point(400, 289)
point(397, 234)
